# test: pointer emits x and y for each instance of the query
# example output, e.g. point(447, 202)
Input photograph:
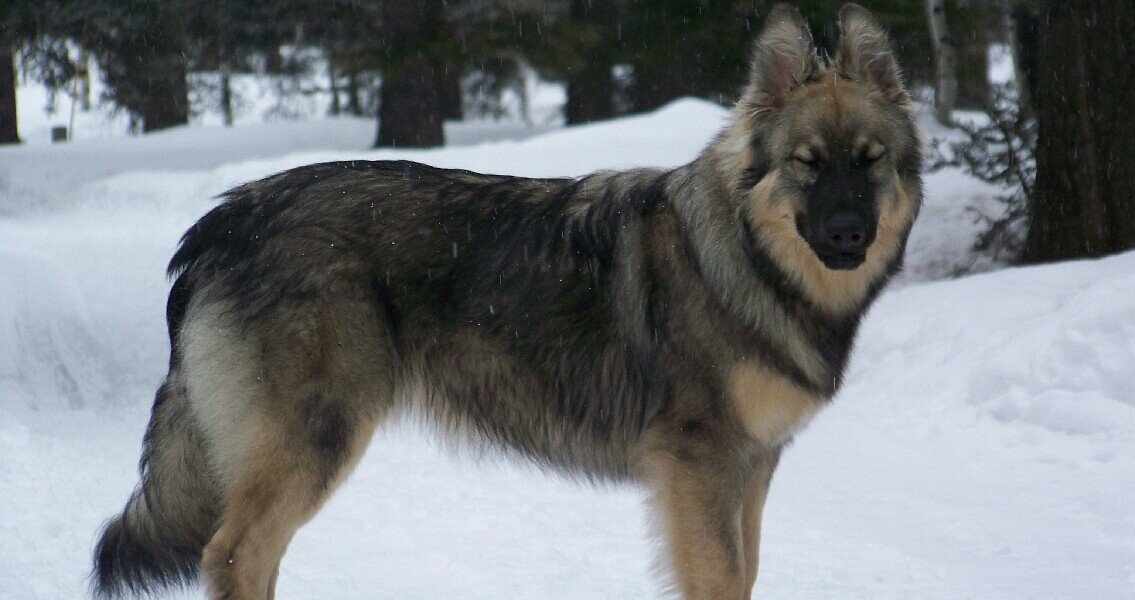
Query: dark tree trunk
point(354, 104)
point(333, 85)
point(590, 95)
point(449, 90)
point(657, 83)
point(83, 74)
point(273, 61)
point(1024, 25)
point(973, 69)
point(1085, 187)
point(227, 96)
point(411, 113)
point(165, 94)
point(687, 48)
point(9, 131)
point(590, 87)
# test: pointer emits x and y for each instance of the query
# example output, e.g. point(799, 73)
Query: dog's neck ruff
point(724, 265)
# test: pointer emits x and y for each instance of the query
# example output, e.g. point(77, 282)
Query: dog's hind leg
point(262, 509)
point(287, 421)
point(280, 489)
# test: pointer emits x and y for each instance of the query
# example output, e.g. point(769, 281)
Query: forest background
point(1050, 136)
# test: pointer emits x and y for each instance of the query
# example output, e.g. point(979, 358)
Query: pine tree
point(1081, 94)
point(9, 129)
point(411, 109)
point(687, 48)
point(143, 48)
point(589, 71)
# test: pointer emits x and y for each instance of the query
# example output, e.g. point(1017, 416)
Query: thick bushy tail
point(157, 540)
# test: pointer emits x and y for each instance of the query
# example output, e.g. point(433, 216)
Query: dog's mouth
point(842, 261)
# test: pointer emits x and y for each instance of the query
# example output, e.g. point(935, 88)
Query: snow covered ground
point(983, 446)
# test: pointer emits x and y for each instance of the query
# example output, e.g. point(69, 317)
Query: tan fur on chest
point(771, 407)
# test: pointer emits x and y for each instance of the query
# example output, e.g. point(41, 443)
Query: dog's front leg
point(755, 492)
point(701, 506)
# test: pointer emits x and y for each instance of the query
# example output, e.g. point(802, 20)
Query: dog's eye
point(874, 153)
point(806, 158)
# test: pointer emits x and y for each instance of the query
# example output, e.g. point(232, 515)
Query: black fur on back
point(445, 251)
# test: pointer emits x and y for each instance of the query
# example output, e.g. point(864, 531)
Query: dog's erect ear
point(784, 58)
point(865, 53)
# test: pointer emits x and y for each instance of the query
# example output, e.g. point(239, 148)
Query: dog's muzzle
point(841, 240)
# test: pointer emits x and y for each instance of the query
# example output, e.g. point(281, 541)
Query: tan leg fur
point(702, 526)
point(276, 494)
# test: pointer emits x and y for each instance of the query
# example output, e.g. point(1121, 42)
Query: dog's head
point(831, 168)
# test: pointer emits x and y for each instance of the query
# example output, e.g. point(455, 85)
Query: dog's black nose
point(845, 232)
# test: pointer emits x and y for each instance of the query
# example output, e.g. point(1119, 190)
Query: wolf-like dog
point(670, 327)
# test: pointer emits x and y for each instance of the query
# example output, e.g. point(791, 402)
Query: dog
point(674, 328)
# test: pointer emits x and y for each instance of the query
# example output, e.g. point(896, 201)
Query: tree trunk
point(165, 94)
point(410, 114)
point(973, 69)
point(354, 104)
point(653, 88)
point(658, 82)
point(1023, 28)
point(9, 132)
point(333, 86)
point(449, 91)
point(590, 95)
point(945, 62)
point(227, 95)
point(1085, 187)
point(83, 78)
point(590, 86)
